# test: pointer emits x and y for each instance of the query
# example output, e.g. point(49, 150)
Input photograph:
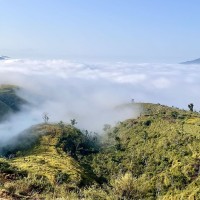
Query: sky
point(121, 30)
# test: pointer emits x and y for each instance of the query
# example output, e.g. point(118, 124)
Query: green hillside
point(159, 153)
point(48, 157)
point(9, 100)
point(156, 156)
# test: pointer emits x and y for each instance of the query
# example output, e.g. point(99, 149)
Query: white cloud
point(161, 83)
point(89, 92)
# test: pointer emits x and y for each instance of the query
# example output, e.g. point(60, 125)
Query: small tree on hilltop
point(191, 106)
point(45, 118)
point(73, 122)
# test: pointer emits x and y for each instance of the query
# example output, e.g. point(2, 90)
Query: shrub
point(95, 192)
point(147, 122)
point(61, 178)
point(124, 186)
point(174, 114)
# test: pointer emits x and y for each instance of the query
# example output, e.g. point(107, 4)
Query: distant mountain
point(4, 57)
point(196, 61)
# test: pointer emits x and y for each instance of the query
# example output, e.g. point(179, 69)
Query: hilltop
point(155, 156)
point(45, 157)
point(196, 61)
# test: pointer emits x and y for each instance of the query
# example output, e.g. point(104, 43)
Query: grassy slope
point(44, 156)
point(156, 156)
point(161, 149)
point(47, 161)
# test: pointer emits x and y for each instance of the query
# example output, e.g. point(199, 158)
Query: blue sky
point(121, 30)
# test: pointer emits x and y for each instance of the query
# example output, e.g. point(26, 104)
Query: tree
point(45, 118)
point(106, 127)
point(73, 122)
point(191, 106)
point(61, 124)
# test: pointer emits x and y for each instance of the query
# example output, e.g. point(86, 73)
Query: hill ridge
point(155, 156)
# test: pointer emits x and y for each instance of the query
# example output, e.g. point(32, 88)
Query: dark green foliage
point(147, 122)
point(6, 168)
point(174, 114)
point(75, 142)
point(39, 185)
point(191, 106)
point(9, 101)
point(61, 178)
point(20, 143)
point(8, 96)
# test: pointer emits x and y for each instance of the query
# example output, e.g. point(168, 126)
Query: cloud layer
point(89, 92)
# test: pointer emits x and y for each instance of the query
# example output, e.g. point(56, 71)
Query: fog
point(92, 93)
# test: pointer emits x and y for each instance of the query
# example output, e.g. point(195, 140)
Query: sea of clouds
point(91, 92)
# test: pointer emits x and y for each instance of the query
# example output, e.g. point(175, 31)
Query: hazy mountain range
point(190, 62)
point(4, 57)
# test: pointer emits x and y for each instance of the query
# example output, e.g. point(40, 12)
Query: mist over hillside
point(121, 81)
point(145, 151)
point(90, 92)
